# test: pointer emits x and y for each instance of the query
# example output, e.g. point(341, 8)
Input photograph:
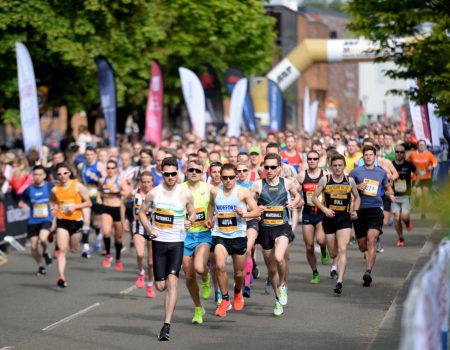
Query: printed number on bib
point(163, 218)
point(273, 215)
point(371, 188)
point(65, 204)
point(40, 211)
point(400, 186)
point(227, 222)
point(200, 217)
point(92, 191)
point(422, 172)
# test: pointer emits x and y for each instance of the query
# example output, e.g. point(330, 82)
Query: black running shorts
point(234, 246)
point(167, 259)
point(34, 229)
point(268, 234)
point(114, 212)
point(71, 226)
point(308, 219)
point(368, 218)
point(339, 222)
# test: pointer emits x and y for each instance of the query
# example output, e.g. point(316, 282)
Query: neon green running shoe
point(278, 309)
point(315, 278)
point(206, 288)
point(325, 257)
point(198, 315)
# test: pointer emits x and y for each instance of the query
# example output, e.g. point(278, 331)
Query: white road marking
point(71, 317)
point(128, 290)
point(8, 347)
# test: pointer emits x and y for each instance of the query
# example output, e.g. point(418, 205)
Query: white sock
point(150, 284)
point(333, 267)
point(142, 272)
point(339, 281)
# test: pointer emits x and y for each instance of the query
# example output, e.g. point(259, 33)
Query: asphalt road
point(101, 308)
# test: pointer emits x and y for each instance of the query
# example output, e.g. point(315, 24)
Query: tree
point(65, 36)
point(426, 58)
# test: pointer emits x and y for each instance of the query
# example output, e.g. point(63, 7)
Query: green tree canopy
point(65, 36)
point(426, 59)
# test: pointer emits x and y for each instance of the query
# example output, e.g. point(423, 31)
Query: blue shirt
point(38, 198)
point(375, 179)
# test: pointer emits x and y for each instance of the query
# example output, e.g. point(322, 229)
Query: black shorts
point(368, 218)
point(339, 222)
point(114, 212)
point(425, 183)
point(386, 203)
point(167, 259)
point(308, 219)
point(254, 224)
point(71, 226)
point(96, 208)
point(234, 246)
point(268, 235)
point(34, 229)
point(129, 215)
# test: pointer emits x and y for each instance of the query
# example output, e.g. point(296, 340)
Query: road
point(101, 308)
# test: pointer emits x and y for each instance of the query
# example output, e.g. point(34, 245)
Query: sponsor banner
point(275, 106)
point(14, 220)
point(236, 108)
point(154, 111)
point(416, 114)
point(350, 49)
point(284, 74)
point(107, 88)
point(29, 108)
point(194, 97)
point(436, 127)
point(403, 119)
point(232, 76)
point(306, 111)
point(213, 94)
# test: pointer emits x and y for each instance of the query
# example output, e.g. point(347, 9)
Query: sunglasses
point(194, 170)
point(312, 158)
point(336, 139)
point(231, 177)
point(61, 174)
point(172, 174)
point(400, 152)
point(111, 168)
point(242, 171)
point(271, 167)
point(254, 154)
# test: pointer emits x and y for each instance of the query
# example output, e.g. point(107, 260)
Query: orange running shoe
point(107, 261)
point(238, 301)
point(140, 282)
point(223, 307)
point(150, 292)
point(119, 266)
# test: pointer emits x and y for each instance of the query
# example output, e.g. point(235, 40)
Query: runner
point(337, 190)
point(276, 196)
point(255, 162)
point(230, 203)
point(352, 155)
point(37, 197)
point(198, 242)
point(141, 237)
point(112, 190)
point(169, 202)
point(370, 180)
point(70, 197)
point(290, 154)
point(402, 191)
point(311, 216)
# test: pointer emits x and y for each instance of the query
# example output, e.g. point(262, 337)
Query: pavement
point(101, 308)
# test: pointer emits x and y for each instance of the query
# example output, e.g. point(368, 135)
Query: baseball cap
point(254, 149)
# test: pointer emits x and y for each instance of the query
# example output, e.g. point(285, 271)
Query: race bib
point(163, 218)
point(422, 172)
point(65, 204)
point(309, 196)
point(371, 188)
point(40, 210)
point(200, 217)
point(92, 190)
point(400, 186)
point(227, 222)
point(273, 215)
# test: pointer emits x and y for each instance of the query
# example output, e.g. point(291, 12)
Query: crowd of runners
point(198, 205)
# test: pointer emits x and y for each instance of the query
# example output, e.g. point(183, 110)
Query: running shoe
point(267, 286)
point(238, 301)
point(61, 282)
point(86, 255)
point(367, 278)
point(140, 282)
point(41, 271)
point(119, 266)
point(246, 292)
point(206, 288)
point(380, 248)
point(255, 270)
point(325, 257)
point(223, 307)
point(199, 311)
point(283, 298)
point(333, 273)
point(150, 292)
point(107, 261)
point(315, 278)
point(217, 297)
point(338, 289)
point(400, 243)
point(47, 258)
point(410, 226)
point(278, 309)
point(164, 334)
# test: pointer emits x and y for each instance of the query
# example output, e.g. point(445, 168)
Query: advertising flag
point(194, 96)
point(436, 127)
point(29, 108)
point(275, 106)
point(313, 115)
point(154, 111)
point(306, 111)
point(107, 88)
point(213, 93)
point(403, 119)
point(236, 108)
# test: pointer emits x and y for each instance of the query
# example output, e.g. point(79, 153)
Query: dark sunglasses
point(111, 168)
point(309, 158)
point(336, 138)
point(61, 174)
point(194, 170)
point(173, 174)
point(271, 167)
point(242, 171)
point(399, 151)
point(254, 154)
point(231, 177)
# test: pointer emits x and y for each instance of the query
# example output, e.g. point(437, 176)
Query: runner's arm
point(296, 199)
point(315, 198)
point(190, 209)
point(143, 214)
point(356, 197)
point(253, 210)
point(86, 203)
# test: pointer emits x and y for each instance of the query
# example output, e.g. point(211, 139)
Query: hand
point(209, 223)
point(187, 224)
point(153, 234)
point(361, 186)
point(70, 209)
point(393, 198)
point(240, 212)
point(291, 205)
point(54, 211)
point(93, 176)
point(329, 213)
point(261, 209)
point(354, 215)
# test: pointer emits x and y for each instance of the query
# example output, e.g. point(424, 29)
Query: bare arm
point(143, 214)
point(356, 199)
point(211, 207)
point(190, 209)
point(315, 198)
point(253, 210)
point(86, 203)
point(296, 199)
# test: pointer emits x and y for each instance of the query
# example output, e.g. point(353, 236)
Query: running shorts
point(167, 259)
point(368, 218)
